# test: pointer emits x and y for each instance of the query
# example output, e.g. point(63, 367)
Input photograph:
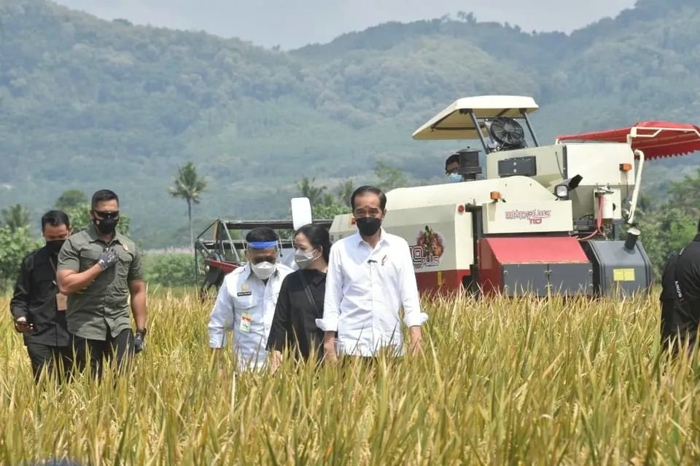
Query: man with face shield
point(246, 301)
point(37, 306)
point(100, 269)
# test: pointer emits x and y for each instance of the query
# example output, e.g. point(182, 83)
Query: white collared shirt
point(365, 290)
point(246, 305)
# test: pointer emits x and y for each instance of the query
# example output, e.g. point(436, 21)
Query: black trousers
point(679, 326)
point(58, 360)
point(95, 353)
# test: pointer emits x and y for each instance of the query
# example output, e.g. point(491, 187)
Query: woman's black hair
point(318, 236)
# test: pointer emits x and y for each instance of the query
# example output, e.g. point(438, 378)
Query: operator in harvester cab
point(452, 169)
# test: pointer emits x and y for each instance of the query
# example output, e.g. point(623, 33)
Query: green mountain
point(87, 103)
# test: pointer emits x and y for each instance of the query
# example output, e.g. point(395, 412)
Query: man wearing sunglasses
point(99, 269)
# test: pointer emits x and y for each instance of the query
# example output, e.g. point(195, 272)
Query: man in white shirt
point(370, 276)
point(247, 299)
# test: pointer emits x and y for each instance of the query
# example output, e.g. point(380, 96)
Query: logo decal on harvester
point(534, 216)
point(428, 249)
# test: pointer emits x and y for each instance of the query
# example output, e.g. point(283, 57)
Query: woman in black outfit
point(301, 296)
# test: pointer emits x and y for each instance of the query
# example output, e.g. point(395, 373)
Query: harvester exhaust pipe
point(632, 237)
point(469, 166)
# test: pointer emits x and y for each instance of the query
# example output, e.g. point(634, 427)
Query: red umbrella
point(655, 138)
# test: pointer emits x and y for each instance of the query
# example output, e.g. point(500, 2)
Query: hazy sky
point(293, 23)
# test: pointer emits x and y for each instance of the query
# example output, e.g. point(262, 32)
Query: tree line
point(17, 238)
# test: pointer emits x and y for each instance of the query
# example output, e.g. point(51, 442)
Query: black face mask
point(368, 225)
point(54, 246)
point(105, 226)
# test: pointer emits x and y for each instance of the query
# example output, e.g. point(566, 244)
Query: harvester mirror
point(469, 166)
point(562, 189)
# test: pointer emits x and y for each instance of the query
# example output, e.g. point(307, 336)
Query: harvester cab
point(544, 220)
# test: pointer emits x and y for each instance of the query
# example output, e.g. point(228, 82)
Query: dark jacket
point(35, 298)
point(680, 315)
point(294, 322)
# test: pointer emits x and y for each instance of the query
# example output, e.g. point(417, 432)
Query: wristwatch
point(142, 332)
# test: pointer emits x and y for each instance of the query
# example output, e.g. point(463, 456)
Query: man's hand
point(139, 343)
point(22, 326)
point(276, 361)
point(416, 341)
point(108, 258)
point(329, 355)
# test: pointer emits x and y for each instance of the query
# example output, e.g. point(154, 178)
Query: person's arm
point(220, 319)
point(281, 321)
point(331, 304)
point(410, 298)
point(137, 288)
point(19, 304)
point(68, 276)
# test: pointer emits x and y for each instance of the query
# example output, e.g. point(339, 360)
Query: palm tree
point(344, 192)
point(309, 190)
point(16, 217)
point(189, 186)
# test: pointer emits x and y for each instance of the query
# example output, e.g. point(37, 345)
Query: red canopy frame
point(656, 139)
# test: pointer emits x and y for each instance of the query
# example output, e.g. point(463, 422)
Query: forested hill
point(86, 103)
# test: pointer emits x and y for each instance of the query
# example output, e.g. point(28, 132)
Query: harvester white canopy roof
point(454, 122)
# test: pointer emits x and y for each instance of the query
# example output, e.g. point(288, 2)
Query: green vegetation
point(71, 199)
point(14, 245)
point(670, 225)
point(87, 104)
point(15, 217)
point(499, 382)
point(169, 270)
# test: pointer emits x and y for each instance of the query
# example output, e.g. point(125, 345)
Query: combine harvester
point(544, 220)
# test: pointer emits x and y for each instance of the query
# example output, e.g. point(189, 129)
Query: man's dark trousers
point(97, 352)
point(58, 360)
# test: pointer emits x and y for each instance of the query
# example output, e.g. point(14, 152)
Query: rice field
point(499, 382)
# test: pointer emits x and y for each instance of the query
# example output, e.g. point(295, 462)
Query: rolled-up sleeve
point(334, 293)
point(136, 268)
point(69, 256)
point(410, 298)
point(221, 318)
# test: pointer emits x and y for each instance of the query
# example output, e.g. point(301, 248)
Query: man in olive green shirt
point(98, 269)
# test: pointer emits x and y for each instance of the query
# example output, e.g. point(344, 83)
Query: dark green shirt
point(104, 304)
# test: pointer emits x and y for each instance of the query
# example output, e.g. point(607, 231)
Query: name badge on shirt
point(246, 320)
point(61, 302)
point(245, 290)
